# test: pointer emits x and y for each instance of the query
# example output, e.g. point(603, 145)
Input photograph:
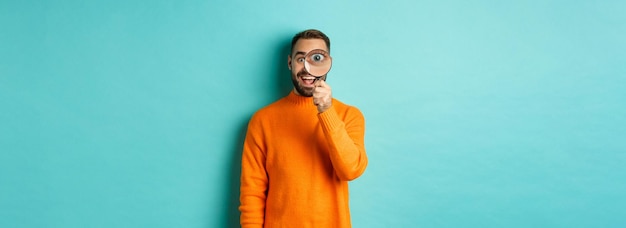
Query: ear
point(289, 62)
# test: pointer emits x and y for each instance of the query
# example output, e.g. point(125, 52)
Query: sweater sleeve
point(254, 180)
point(346, 142)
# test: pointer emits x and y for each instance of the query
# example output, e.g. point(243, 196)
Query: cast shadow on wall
point(279, 85)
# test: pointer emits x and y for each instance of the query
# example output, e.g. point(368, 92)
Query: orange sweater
point(296, 164)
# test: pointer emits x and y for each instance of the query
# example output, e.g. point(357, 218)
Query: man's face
point(302, 81)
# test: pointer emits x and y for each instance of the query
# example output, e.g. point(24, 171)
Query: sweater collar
point(299, 100)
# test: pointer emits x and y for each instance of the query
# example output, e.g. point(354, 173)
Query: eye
point(300, 60)
point(317, 57)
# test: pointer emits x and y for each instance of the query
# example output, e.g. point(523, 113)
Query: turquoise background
point(479, 113)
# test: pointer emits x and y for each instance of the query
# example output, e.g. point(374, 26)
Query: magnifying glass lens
point(317, 62)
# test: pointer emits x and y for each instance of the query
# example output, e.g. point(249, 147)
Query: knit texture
point(296, 164)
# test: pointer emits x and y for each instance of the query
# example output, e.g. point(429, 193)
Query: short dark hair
point(310, 34)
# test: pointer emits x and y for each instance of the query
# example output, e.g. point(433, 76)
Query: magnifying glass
point(317, 63)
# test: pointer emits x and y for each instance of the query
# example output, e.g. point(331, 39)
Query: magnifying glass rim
point(307, 63)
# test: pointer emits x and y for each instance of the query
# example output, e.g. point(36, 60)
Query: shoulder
point(346, 110)
point(267, 112)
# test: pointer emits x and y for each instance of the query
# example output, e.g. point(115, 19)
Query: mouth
point(308, 80)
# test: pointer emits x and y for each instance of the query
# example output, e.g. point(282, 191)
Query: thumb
point(319, 82)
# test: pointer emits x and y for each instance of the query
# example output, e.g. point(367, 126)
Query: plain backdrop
point(128, 113)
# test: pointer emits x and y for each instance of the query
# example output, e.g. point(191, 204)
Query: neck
point(296, 92)
point(300, 100)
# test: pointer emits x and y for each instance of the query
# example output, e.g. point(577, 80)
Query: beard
point(302, 90)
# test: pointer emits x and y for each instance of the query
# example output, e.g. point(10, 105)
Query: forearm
point(254, 184)
point(252, 206)
point(346, 143)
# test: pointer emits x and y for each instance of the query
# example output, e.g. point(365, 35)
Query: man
point(301, 151)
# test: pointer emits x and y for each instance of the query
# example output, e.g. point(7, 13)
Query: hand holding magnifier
point(317, 63)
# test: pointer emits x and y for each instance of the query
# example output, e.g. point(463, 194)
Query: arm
point(345, 137)
point(254, 180)
point(346, 142)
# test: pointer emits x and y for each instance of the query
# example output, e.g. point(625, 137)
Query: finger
point(320, 83)
point(317, 83)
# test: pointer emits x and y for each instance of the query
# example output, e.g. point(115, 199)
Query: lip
point(307, 77)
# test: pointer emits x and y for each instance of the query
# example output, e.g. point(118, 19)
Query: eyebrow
point(299, 53)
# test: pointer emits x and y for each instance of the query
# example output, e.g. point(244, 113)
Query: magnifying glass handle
point(317, 78)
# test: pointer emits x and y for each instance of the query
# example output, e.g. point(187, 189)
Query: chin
point(302, 91)
point(306, 92)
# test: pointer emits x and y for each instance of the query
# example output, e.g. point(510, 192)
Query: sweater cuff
point(330, 120)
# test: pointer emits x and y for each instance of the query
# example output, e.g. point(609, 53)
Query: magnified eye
point(317, 57)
